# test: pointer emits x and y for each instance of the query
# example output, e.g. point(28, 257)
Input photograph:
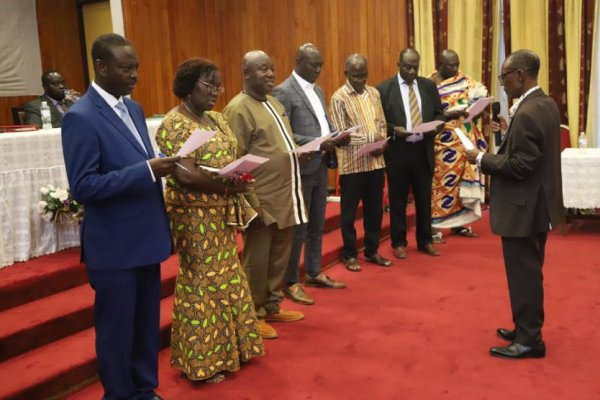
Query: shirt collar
point(401, 80)
point(527, 93)
point(109, 98)
point(304, 84)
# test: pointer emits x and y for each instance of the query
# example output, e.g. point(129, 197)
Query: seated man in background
point(54, 95)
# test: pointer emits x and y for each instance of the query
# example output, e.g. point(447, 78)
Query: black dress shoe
point(518, 350)
point(507, 334)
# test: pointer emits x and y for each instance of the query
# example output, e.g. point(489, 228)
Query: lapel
point(56, 115)
point(396, 97)
point(302, 95)
point(107, 113)
point(531, 96)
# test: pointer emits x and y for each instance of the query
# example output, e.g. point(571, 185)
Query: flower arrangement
point(58, 205)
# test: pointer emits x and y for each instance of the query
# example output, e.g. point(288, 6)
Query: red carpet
point(421, 330)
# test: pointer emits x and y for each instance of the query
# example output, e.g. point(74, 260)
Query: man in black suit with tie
point(525, 199)
point(409, 100)
point(54, 95)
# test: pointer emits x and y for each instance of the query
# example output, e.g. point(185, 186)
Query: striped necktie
point(415, 113)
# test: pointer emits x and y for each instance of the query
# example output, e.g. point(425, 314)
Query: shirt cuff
point(151, 173)
point(478, 159)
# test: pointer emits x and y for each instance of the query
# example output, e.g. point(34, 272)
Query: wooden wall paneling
point(167, 32)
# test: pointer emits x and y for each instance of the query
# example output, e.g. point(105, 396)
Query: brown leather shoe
point(284, 316)
point(352, 264)
point(266, 330)
point(297, 294)
point(430, 249)
point(400, 252)
point(379, 260)
point(324, 281)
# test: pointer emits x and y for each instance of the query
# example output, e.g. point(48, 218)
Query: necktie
point(124, 114)
point(415, 113)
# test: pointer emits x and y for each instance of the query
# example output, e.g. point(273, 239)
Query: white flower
point(47, 216)
point(51, 187)
point(54, 195)
point(62, 194)
point(42, 206)
point(44, 190)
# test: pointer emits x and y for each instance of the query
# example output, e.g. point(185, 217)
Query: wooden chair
point(18, 114)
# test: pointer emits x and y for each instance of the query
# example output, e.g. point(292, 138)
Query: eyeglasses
point(504, 75)
point(218, 89)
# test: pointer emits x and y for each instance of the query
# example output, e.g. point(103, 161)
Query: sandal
point(464, 231)
point(220, 377)
point(352, 264)
point(438, 238)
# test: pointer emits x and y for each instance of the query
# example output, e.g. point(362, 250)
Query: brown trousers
point(265, 259)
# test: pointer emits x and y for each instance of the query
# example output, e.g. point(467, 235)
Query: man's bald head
point(356, 71)
point(525, 60)
point(408, 64)
point(355, 60)
point(252, 58)
point(448, 63)
point(259, 74)
point(308, 62)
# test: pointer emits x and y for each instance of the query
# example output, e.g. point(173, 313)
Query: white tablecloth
point(581, 177)
point(28, 161)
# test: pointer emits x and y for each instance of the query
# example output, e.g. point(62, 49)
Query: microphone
point(495, 114)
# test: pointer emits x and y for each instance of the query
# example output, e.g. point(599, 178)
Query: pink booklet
point(371, 147)
point(242, 165)
point(196, 139)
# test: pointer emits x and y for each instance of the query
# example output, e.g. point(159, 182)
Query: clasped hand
point(164, 166)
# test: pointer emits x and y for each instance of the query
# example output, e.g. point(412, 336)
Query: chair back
point(18, 114)
point(565, 137)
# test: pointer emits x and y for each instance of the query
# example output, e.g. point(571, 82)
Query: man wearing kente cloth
point(458, 187)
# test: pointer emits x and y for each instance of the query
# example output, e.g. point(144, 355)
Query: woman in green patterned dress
point(214, 324)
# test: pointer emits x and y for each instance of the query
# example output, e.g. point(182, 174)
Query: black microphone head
point(495, 108)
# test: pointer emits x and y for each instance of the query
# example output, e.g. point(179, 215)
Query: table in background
point(581, 177)
point(28, 161)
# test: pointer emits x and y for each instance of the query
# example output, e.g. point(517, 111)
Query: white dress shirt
point(317, 106)
point(404, 91)
point(112, 101)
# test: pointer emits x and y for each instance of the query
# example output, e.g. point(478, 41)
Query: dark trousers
point(523, 259)
point(127, 318)
point(368, 188)
point(413, 172)
point(314, 190)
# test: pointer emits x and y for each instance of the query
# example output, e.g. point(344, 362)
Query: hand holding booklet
point(426, 127)
point(467, 144)
point(371, 147)
point(313, 145)
point(347, 132)
point(196, 139)
point(242, 165)
point(478, 107)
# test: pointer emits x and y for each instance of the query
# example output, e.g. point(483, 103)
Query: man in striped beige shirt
point(361, 176)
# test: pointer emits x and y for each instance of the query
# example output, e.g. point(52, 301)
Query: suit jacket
point(302, 117)
point(33, 115)
point(526, 185)
point(393, 108)
point(125, 223)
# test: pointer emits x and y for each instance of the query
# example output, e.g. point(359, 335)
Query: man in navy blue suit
point(125, 231)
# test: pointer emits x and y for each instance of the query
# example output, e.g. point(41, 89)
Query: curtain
point(440, 29)
point(20, 61)
point(423, 12)
point(593, 111)
point(464, 36)
point(556, 56)
point(588, 22)
point(573, 10)
point(531, 32)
